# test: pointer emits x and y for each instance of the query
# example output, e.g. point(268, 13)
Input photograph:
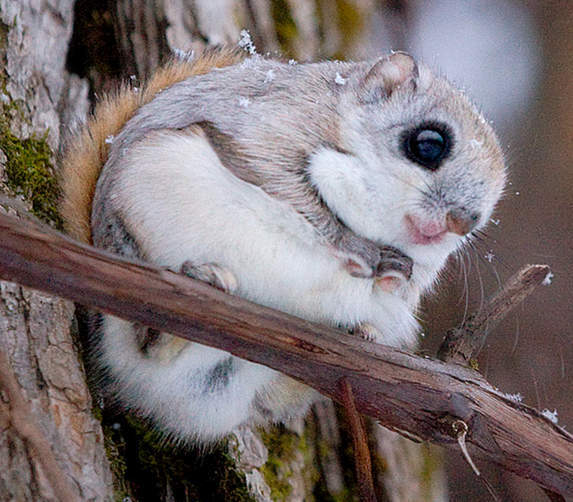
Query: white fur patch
point(209, 215)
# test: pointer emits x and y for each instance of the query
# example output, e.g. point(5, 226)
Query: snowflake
point(548, 279)
point(339, 79)
point(550, 415)
point(517, 397)
point(183, 55)
point(246, 43)
point(109, 139)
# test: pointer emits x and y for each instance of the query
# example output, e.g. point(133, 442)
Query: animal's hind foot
point(211, 273)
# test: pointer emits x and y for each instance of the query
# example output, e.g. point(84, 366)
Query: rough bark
point(38, 97)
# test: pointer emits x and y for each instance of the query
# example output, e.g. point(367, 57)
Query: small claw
point(356, 269)
point(368, 332)
point(213, 274)
point(361, 256)
point(393, 260)
point(389, 283)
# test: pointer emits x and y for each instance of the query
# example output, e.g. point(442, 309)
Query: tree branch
point(363, 461)
point(464, 343)
point(416, 396)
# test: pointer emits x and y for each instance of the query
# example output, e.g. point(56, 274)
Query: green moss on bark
point(285, 26)
point(285, 449)
point(432, 459)
point(281, 445)
point(29, 173)
point(28, 168)
point(148, 469)
point(4, 28)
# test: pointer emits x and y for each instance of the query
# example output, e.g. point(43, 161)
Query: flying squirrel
point(334, 191)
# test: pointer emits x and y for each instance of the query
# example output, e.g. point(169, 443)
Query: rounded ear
point(387, 74)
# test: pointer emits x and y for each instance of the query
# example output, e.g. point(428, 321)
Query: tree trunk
point(304, 460)
point(38, 99)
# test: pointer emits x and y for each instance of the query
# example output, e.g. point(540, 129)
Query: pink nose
point(460, 222)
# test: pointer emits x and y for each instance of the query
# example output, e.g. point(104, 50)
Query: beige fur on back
point(87, 152)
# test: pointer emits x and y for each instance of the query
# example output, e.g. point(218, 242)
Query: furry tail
point(87, 152)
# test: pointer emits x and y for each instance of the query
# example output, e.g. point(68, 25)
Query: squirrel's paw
point(361, 256)
point(394, 269)
point(368, 332)
point(213, 274)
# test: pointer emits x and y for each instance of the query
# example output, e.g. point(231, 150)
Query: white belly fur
point(180, 203)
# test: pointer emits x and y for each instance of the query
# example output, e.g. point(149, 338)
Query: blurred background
point(515, 59)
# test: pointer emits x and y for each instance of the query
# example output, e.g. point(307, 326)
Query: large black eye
point(427, 145)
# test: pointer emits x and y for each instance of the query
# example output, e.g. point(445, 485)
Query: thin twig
point(460, 430)
point(24, 423)
point(363, 462)
point(464, 343)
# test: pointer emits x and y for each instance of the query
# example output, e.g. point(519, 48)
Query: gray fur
point(286, 119)
point(220, 375)
point(265, 119)
point(147, 338)
point(114, 236)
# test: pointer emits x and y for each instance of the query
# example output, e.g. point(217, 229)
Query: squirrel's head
point(419, 168)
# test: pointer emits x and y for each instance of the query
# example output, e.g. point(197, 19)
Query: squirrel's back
point(86, 153)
